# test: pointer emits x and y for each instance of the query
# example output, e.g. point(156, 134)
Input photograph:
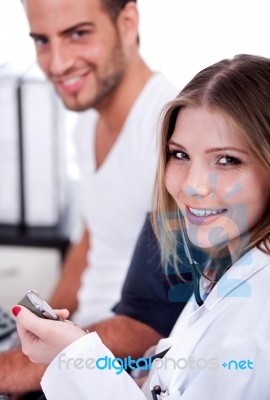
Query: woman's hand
point(43, 339)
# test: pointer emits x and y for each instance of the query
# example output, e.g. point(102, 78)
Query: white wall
point(178, 37)
point(15, 45)
point(182, 37)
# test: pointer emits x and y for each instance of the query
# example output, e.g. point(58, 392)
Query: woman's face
point(216, 180)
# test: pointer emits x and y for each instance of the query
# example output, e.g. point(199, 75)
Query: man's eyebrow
point(66, 31)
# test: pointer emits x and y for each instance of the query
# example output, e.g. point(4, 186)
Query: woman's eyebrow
point(176, 144)
point(216, 149)
point(212, 150)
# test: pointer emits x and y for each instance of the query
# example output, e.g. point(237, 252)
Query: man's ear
point(128, 24)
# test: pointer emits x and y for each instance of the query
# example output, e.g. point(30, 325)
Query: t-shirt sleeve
point(147, 294)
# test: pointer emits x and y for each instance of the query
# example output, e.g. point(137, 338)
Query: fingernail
point(16, 310)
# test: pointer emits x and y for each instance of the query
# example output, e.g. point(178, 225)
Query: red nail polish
point(16, 310)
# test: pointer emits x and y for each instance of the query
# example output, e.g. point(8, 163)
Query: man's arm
point(18, 374)
point(65, 293)
point(126, 336)
point(123, 335)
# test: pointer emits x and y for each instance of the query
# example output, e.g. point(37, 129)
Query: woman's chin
point(203, 241)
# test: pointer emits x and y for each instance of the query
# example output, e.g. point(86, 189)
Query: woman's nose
point(200, 183)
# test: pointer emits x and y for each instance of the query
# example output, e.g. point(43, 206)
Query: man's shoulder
point(160, 85)
point(157, 92)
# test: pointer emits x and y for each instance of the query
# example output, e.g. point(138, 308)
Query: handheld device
point(38, 306)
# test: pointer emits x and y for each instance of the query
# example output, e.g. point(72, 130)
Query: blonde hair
point(239, 88)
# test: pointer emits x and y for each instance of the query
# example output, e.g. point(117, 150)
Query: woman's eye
point(179, 155)
point(228, 160)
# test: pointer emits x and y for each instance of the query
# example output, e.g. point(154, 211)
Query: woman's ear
point(128, 23)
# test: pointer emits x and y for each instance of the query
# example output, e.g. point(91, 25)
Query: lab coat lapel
point(235, 282)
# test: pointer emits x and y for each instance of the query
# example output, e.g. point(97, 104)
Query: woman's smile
point(198, 216)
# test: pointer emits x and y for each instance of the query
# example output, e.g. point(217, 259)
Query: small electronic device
point(7, 324)
point(38, 306)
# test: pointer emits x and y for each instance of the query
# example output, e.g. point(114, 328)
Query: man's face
point(78, 48)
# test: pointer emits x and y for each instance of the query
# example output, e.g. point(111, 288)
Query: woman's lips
point(198, 216)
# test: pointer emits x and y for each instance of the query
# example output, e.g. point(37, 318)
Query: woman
point(214, 169)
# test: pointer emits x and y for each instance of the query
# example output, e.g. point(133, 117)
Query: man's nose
point(61, 59)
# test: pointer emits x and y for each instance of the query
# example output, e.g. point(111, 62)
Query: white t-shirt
point(116, 198)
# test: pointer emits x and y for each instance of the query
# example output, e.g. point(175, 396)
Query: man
point(89, 51)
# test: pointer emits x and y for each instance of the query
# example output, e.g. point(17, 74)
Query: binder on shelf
point(32, 148)
point(40, 115)
point(10, 200)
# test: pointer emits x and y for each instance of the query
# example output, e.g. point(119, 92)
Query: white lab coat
point(231, 328)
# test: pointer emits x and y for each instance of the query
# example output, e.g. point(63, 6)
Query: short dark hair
point(114, 7)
